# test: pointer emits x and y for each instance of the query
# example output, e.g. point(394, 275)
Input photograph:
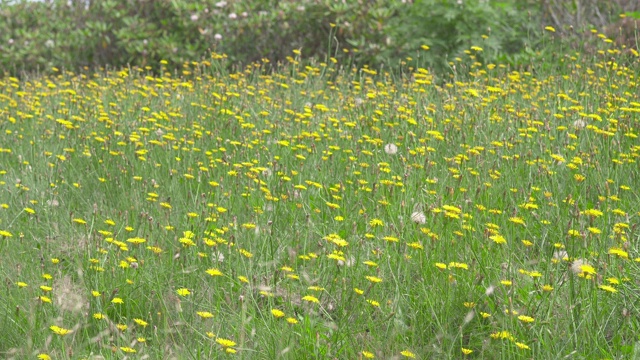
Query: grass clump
point(322, 211)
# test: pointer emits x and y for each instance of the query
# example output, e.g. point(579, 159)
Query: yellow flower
point(466, 351)
point(226, 343)
point(292, 321)
point(141, 322)
point(205, 314)
point(127, 349)
point(312, 299)
point(117, 300)
point(5, 233)
point(527, 319)
point(277, 313)
point(608, 288)
point(550, 28)
point(59, 331)
point(183, 292)
point(367, 354)
point(214, 272)
point(407, 353)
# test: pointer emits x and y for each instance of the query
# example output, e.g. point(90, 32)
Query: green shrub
point(36, 36)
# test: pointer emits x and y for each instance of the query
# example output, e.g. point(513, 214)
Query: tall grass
point(322, 212)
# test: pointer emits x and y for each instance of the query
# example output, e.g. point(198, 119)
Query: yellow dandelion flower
point(498, 239)
point(5, 233)
point(292, 321)
point(141, 322)
point(117, 300)
point(127, 349)
point(205, 314)
point(310, 298)
point(59, 331)
point(526, 319)
point(214, 272)
point(226, 343)
point(466, 351)
point(277, 313)
point(367, 354)
point(408, 354)
point(608, 288)
point(183, 292)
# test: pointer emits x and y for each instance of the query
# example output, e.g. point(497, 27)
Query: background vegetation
point(36, 36)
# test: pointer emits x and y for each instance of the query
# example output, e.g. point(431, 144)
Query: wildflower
point(550, 28)
point(141, 322)
point(5, 233)
point(127, 349)
point(225, 343)
point(522, 346)
point(117, 300)
point(292, 321)
point(205, 314)
point(574, 233)
point(619, 252)
point(277, 313)
point(407, 353)
point(582, 268)
point(43, 357)
point(373, 303)
point(466, 351)
point(526, 319)
point(367, 354)
point(310, 298)
point(214, 272)
point(59, 331)
point(608, 288)
point(183, 292)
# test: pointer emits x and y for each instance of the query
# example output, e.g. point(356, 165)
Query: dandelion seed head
point(391, 149)
point(418, 217)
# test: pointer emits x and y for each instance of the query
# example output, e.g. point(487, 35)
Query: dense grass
point(322, 212)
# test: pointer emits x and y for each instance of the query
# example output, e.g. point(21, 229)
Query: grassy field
point(322, 212)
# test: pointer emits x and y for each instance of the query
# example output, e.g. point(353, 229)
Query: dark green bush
point(36, 36)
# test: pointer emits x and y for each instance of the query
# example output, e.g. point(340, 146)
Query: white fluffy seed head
point(391, 149)
point(418, 217)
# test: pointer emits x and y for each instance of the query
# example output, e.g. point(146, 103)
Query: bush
point(36, 36)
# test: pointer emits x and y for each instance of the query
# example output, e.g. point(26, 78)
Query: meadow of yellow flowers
point(321, 211)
